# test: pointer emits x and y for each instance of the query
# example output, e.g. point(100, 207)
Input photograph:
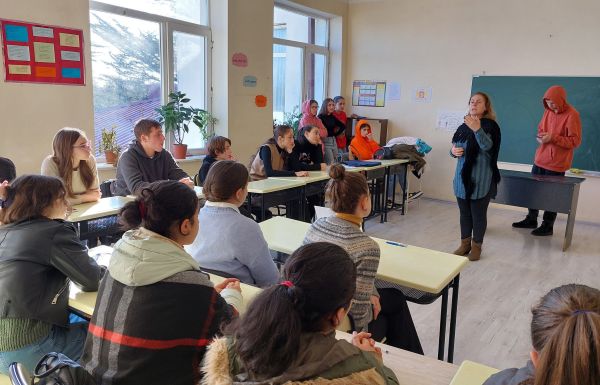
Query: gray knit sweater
point(363, 251)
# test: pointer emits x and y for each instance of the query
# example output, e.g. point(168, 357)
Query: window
point(300, 57)
point(138, 58)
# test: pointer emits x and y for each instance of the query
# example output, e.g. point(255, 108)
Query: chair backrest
point(105, 188)
point(197, 180)
point(18, 374)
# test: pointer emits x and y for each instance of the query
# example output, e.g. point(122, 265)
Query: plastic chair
point(18, 374)
point(105, 188)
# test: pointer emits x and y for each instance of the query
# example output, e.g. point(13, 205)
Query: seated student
point(362, 146)
point(40, 254)
point(307, 154)
point(145, 161)
point(272, 156)
point(334, 128)
point(231, 242)
point(156, 311)
point(384, 312)
point(74, 163)
point(288, 334)
point(565, 333)
point(219, 148)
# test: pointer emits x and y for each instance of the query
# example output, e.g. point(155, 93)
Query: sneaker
point(526, 223)
point(414, 195)
point(543, 230)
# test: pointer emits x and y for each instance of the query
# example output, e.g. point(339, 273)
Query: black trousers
point(473, 216)
point(549, 216)
point(395, 322)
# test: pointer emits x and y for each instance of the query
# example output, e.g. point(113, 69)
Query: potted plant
point(205, 121)
point(292, 119)
point(176, 115)
point(109, 146)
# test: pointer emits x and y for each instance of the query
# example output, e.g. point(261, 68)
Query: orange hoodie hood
point(363, 148)
point(558, 96)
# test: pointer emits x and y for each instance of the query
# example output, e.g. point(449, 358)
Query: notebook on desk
point(101, 254)
point(472, 373)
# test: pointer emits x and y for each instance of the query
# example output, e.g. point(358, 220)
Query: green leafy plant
point(109, 140)
point(292, 119)
point(176, 116)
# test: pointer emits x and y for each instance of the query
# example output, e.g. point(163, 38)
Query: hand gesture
point(376, 306)
point(93, 195)
point(473, 123)
point(3, 187)
point(546, 137)
point(187, 181)
point(370, 136)
point(323, 166)
point(457, 151)
point(302, 173)
point(364, 342)
point(228, 283)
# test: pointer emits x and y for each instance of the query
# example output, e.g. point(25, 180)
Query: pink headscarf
point(309, 119)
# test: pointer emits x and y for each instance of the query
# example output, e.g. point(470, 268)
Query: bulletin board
point(370, 93)
point(42, 53)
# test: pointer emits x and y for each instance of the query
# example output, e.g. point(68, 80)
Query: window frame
point(167, 27)
point(307, 49)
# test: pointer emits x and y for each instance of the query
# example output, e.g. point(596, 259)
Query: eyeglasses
point(84, 145)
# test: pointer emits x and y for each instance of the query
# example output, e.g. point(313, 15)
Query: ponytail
point(160, 206)
point(565, 332)
point(273, 326)
point(345, 189)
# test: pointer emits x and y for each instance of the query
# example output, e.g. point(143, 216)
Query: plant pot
point(111, 157)
point(179, 151)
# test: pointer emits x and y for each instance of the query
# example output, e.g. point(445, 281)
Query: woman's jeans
point(331, 150)
point(68, 341)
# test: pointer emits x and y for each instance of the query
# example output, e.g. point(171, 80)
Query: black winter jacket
point(38, 259)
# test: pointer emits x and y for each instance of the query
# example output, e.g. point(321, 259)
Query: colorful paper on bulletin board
point(42, 53)
point(369, 93)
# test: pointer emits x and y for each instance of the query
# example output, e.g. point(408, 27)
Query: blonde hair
point(489, 109)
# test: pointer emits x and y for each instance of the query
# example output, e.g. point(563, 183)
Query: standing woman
point(334, 128)
point(310, 109)
point(74, 163)
point(40, 254)
point(476, 144)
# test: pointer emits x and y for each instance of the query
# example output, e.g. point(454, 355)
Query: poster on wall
point(42, 53)
point(368, 93)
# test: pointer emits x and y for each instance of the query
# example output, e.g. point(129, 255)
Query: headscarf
point(363, 148)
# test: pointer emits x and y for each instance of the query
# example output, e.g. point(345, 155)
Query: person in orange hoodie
point(362, 146)
point(559, 134)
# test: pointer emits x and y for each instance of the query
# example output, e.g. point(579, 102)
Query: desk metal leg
point(443, 314)
point(386, 184)
point(453, 312)
point(571, 218)
point(405, 189)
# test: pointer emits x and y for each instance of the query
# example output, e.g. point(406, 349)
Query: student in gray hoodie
point(145, 161)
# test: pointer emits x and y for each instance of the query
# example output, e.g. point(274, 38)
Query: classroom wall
point(31, 113)
point(442, 44)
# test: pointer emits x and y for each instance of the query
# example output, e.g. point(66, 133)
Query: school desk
point(542, 192)
point(428, 274)
point(392, 168)
point(411, 368)
point(472, 373)
point(83, 303)
point(314, 184)
point(273, 192)
point(4, 379)
point(85, 212)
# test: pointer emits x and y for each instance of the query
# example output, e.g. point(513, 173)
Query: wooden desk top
point(411, 368)
point(266, 186)
point(547, 178)
point(84, 302)
point(103, 208)
point(313, 176)
point(411, 266)
point(472, 373)
point(392, 162)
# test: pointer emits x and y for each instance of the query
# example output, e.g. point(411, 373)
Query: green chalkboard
point(518, 104)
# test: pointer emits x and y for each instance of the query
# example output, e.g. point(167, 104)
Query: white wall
point(32, 113)
point(442, 44)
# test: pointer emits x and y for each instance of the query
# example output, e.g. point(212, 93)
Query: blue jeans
point(68, 341)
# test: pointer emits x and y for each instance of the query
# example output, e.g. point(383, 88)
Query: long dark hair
point(565, 331)
point(268, 338)
point(62, 146)
point(300, 136)
point(29, 196)
point(160, 206)
point(323, 109)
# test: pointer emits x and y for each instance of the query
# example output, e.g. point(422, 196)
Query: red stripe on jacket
point(145, 343)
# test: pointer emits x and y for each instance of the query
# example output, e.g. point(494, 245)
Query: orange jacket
point(362, 148)
point(565, 129)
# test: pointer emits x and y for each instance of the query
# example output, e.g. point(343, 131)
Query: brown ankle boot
point(475, 251)
point(464, 248)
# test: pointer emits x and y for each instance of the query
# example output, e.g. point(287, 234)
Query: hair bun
point(337, 171)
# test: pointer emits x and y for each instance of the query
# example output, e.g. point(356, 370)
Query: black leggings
point(473, 216)
point(395, 322)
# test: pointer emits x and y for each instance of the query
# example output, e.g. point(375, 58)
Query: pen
point(395, 243)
